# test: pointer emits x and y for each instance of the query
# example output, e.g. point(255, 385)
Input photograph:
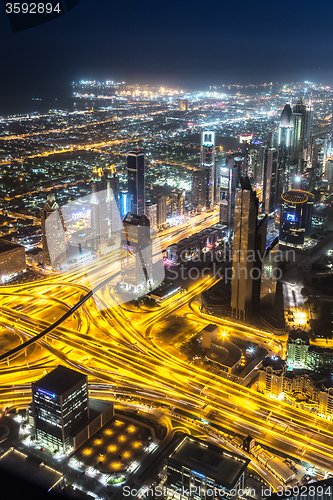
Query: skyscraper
point(53, 234)
point(285, 136)
point(136, 255)
point(104, 202)
point(112, 182)
point(160, 201)
point(302, 129)
point(97, 221)
point(59, 406)
point(208, 166)
point(296, 214)
point(136, 181)
point(151, 213)
point(198, 194)
point(177, 202)
point(233, 165)
point(272, 182)
point(183, 103)
point(248, 247)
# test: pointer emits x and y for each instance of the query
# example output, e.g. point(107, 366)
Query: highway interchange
point(113, 346)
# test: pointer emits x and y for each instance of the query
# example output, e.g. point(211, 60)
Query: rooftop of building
point(164, 290)
point(321, 350)
point(6, 246)
point(320, 379)
point(298, 334)
point(225, 353)
point(34, 251)
point(208, 460)
point(136, 220)
point(210, 328)
point(297, 196)
point(29, 469)
point(275, 362)
point(96, 408)
point(60, 380)
point(286, 119)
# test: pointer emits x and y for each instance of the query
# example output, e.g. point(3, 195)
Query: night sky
point(181, 43)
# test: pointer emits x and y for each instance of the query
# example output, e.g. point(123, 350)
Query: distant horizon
point(60, 94)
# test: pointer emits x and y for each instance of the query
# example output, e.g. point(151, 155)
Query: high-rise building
point(112, 182)
point(53, 234)
point(151, 213)
point(249, 246)
point(104, 203)
point(285, 136)
point(328, 172)
point(177, 202)
point(295, 218)
point(136, 181)
point(207, 165)
point(302, 130)
point(256, 162)
point(271, 376)
point(272, 181)
point(234, 165)
point(59, 406)
point(183, 104)
point(160, 201)
point(136, 255)
point(198, 192)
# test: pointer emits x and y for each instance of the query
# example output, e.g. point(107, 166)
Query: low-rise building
point(196, 468)
point(12, 260)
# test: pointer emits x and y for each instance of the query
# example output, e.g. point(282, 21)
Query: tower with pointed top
point(105, 219)
point(285, 137)
point(302, 130)
point(53, 234)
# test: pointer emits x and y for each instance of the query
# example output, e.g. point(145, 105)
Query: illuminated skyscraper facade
point(59, 406)
point(136, 255)
point(136, 181)
point(302, 129)
point(198, 192)
point(245, 222)
point(285, 137)
point(272, 181)
point(53, 234)
point(249, 248)
point(104, 203)
point(207, 164)
point(296, 214)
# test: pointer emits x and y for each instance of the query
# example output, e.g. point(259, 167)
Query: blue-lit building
point(295, 219)
point(59, 406)
point(207, 165)
point(136, 181)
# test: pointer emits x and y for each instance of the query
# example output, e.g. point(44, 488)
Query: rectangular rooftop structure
point(59, 406)
point(60, 380)
point(31, 470)
point(199, 465)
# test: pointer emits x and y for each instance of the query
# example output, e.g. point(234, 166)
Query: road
point(113, 346)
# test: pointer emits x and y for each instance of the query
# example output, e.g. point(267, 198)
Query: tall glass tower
point(208, 166)
point(136, 181)
point(302, 121)
point(285, 137)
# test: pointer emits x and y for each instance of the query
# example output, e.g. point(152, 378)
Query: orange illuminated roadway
point(113, 346)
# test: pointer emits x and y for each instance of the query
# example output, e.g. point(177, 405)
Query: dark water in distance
point(23, 104)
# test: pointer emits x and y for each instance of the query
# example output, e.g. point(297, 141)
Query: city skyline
point(259, 43)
